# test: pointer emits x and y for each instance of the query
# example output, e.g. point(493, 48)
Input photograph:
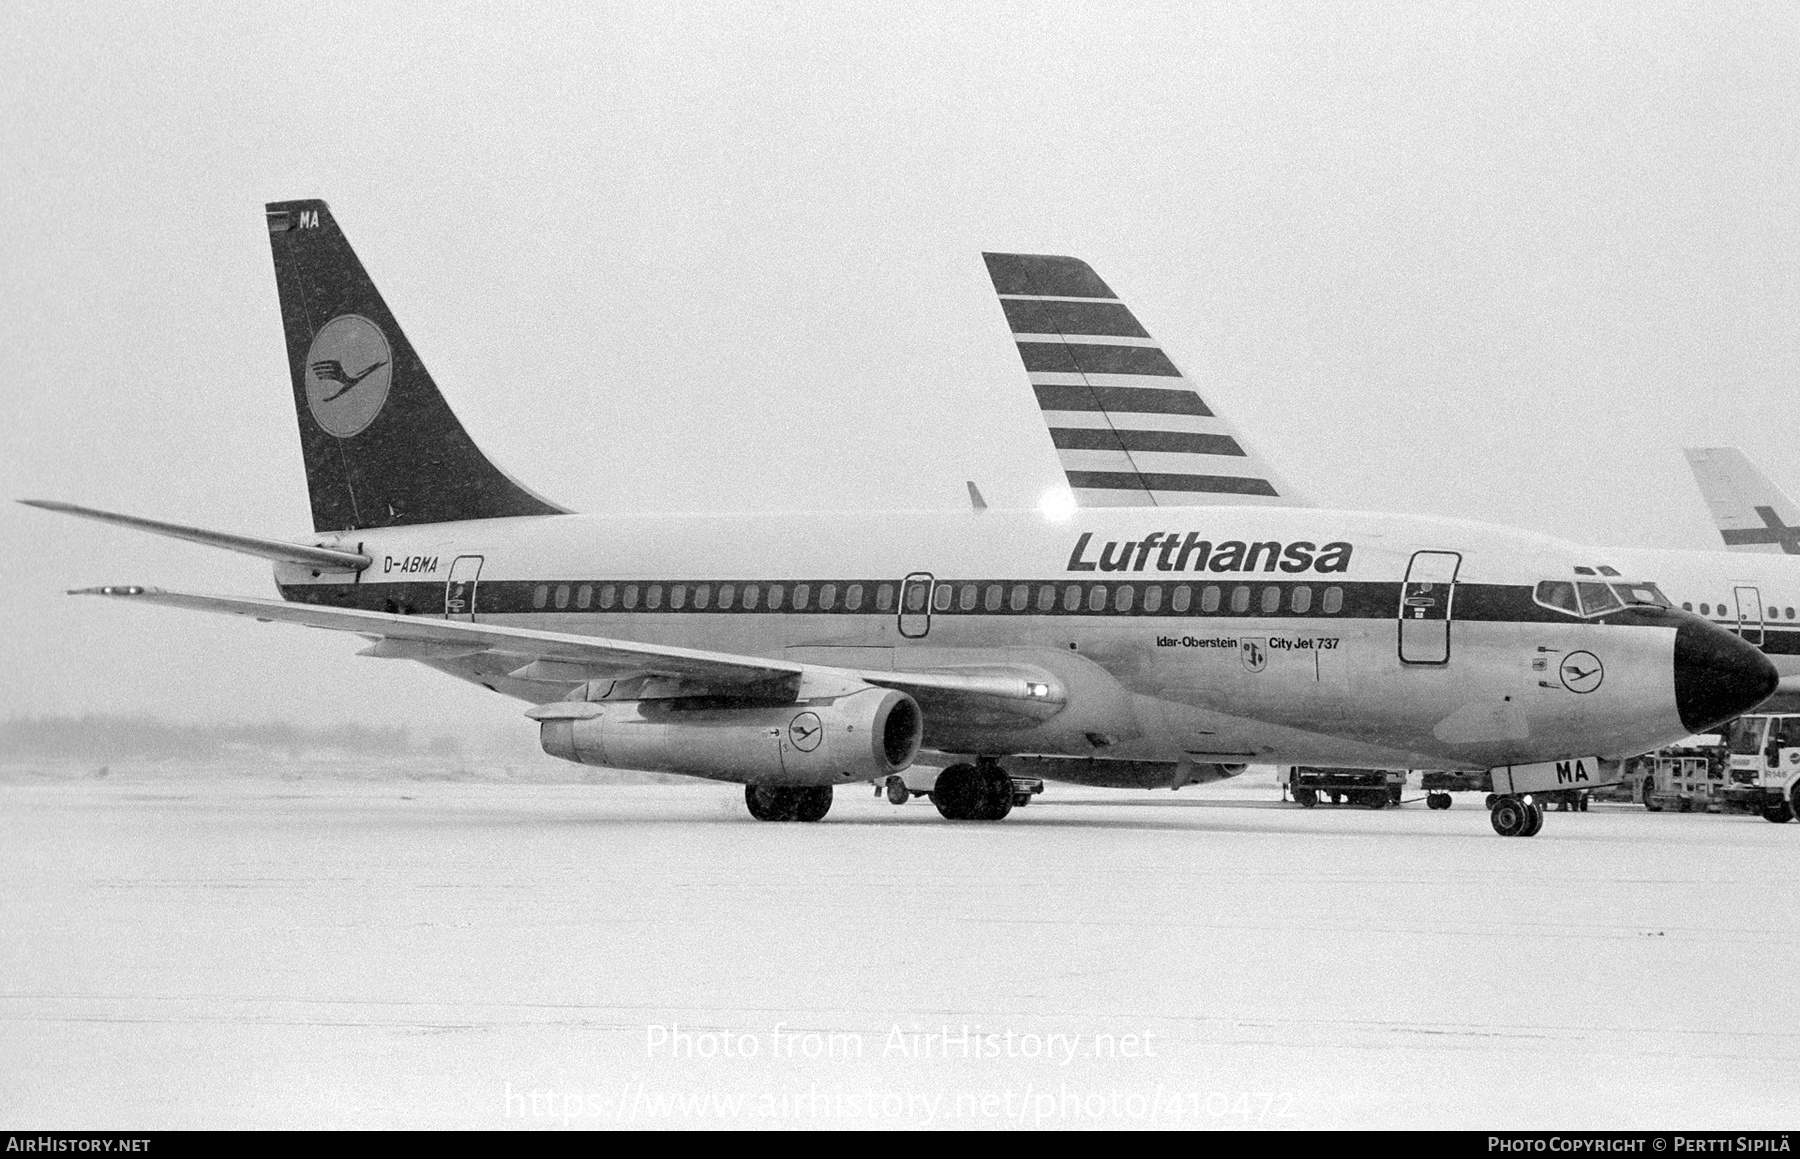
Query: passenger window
point(776, 592)
point(1072, 598)
point(1597, 598)
point(1240, 599)
point(1153, 598)
point(1097, 598)
point(940, 598)
point(584, 595)
point(1047, 598)
point(752, 597)
point(725, 593)
point(562, 596)
point(1558, 594)
point(653, 597)
point(884, 597)
point(1773, 613)
point(1333, 601)
point(702, 595)
point(966, 601)
point(540, 595)
point(677, 597)
point(1687, 606)
point(917, 594)
point(853, 597)
point(1122, 600)
point(827, 597)
point(801, 593)
point(1209, 599)
point(1271, 600)
point(1790, 612)
point(1021, 597)
point(631, 594)
point(1706, 609)
point(1183, 596)
point(1302, 599)
point(607, 594)
point(991, 601)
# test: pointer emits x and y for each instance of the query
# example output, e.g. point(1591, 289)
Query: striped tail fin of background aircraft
point(1129, 427)
point(1752, 513)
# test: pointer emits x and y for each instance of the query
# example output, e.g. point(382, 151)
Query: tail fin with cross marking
point(1752, 513)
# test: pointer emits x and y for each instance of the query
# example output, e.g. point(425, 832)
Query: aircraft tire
point(1534, 824)
point(996, 794)
point(812, 804)
point(1510, 817)
point(897, 792)
point(773, 802)
point(958, 794)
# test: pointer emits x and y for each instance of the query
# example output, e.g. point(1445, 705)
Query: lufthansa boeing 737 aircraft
point(1139, 646)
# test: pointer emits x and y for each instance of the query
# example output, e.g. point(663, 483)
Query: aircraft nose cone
point(1717, 675)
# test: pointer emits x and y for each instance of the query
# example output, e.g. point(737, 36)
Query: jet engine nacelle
point(867, 735)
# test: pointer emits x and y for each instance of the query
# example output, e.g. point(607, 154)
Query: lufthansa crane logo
point(1581, 672)
point(348, 370)
point(806, 731)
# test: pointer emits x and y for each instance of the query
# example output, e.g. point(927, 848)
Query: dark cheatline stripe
point(1081, 358)
point(1046, 274)
point(1101, 318)
point(1154, 481)
point(1098, 439)
point(1148, 400)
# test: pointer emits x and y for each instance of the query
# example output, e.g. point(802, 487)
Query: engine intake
point(867, 735)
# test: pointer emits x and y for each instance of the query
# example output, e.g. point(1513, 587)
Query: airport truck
point(1752, 766)
point(1372, 788)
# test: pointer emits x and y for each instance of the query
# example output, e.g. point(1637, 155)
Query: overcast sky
point(1492, 261)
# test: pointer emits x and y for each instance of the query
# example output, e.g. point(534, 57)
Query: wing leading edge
point(564, 659)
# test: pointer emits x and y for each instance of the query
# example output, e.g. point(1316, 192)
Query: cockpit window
point(1558, 594)
point(1597, 598)
point(1642, 594)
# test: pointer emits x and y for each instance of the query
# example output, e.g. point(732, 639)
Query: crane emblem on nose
point(1581, 672)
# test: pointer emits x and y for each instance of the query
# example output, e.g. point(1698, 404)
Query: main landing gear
point(788, 803)
point(977, 792)
point(1516, 816)
point(1437, 800)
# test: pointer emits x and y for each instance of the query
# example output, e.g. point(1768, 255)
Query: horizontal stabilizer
point(323, 558)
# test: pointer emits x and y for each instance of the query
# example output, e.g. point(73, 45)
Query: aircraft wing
point(568, 659)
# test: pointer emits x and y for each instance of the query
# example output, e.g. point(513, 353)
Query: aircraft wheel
point(1510, 817)
point(1306, 797)
point(812, 804)
point(996, 793)
point(958, 793)
point(772, 802)
point(1534, 813)
point(897, 792)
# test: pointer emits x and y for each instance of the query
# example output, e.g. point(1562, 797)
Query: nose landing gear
point(1516, 816)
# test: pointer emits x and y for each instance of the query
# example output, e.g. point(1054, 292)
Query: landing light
point(1038, 690)
point(1057, 506)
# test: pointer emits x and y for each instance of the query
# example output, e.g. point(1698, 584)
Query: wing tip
point(114, 590)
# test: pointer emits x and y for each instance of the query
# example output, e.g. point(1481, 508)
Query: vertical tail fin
point(1130, 429)
point(382, 447)
point(1752, 513)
